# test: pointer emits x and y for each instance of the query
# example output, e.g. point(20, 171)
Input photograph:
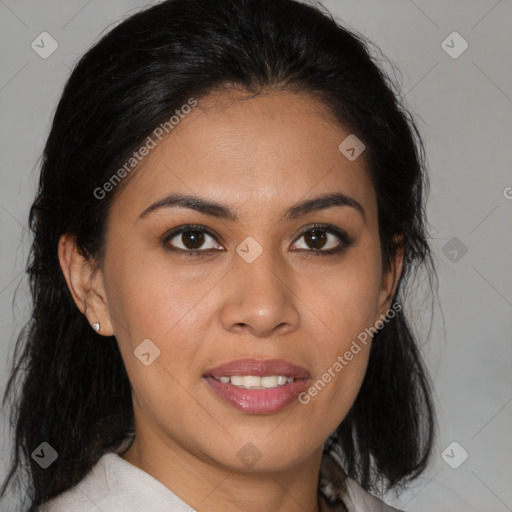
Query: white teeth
point(251, 382)
point(269, 381)
point(255, 382)
point(237, 380)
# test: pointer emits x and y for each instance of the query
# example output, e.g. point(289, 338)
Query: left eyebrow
point(321, 203)
point(218, 210)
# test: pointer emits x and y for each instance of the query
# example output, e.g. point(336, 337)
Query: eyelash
point(345, 238)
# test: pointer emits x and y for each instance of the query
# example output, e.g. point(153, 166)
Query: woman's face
point(255, 288)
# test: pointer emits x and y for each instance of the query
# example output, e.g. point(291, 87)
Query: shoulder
point(115, 485)
point(345, 494)
point(84, 496)
point(358, 500)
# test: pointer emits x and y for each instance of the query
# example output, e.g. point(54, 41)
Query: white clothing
point(115, 485)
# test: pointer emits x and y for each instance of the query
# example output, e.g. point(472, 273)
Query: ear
point(390, 277)
point(85, 282)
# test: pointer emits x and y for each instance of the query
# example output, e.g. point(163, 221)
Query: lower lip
point(258, 401)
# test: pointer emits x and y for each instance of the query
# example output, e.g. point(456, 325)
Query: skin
point(258, 155)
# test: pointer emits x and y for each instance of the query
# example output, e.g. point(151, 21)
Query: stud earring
point(96, 326)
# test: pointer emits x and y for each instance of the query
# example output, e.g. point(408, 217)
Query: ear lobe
point(85, 282)
point(391, 277)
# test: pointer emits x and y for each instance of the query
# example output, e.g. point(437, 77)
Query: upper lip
point(258, 368)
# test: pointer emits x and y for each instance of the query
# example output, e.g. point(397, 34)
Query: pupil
point(195, 239)
point(316, 240)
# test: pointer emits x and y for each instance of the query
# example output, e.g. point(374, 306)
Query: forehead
point(267, 150)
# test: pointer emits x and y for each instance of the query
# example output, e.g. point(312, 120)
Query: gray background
point(464, 110)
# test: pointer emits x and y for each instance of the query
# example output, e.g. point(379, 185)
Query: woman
point(230, 205)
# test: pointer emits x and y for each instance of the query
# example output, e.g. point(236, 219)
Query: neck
point(205, 485)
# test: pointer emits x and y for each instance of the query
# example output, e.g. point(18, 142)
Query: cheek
point(347, 304)
point(347, 298)
point(157, 310)
point(341, 369)
point(150, 295)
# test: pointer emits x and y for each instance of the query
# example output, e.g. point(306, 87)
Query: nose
point(260, 300)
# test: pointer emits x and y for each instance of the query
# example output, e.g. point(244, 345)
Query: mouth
point(258, 387)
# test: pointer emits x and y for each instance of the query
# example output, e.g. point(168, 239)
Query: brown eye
point(324, 240)
point(192, 239)
point(189, 238)
point(316, 238)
